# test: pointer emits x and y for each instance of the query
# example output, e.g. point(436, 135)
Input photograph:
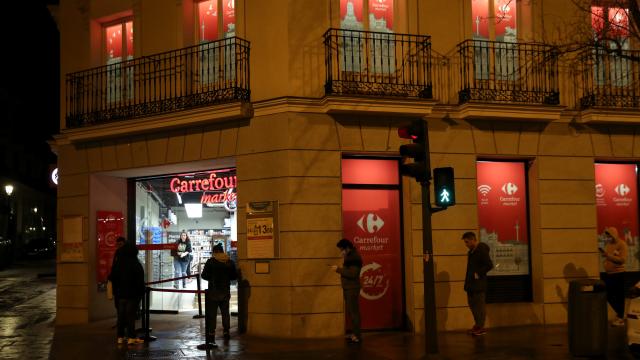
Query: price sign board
point(262, 230)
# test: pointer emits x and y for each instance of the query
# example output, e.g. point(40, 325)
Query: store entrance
point(201, 205)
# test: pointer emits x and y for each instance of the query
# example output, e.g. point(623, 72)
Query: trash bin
point(587, 317)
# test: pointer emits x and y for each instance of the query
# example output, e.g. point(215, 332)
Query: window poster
point(114, 41)
point(505, 20)
point(502, 215)
point(617, 206)
point(208, 20)
point(109, 227)
point(351, 15)
point(480, 18)
point(381, 15)
point(229, 18)
point(371, 220)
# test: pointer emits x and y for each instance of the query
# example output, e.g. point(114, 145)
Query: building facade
point(299, 102)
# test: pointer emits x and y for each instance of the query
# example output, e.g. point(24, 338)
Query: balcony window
point(495, 20)
point(118, 45)
point(611, 33)
point(216, 20)
point(375, 16)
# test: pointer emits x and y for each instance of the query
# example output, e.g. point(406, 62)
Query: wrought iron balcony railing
point(378, 64)
point(610, 79)
point(206, 74)
point(494, 71)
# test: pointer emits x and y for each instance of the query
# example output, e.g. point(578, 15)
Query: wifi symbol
point(484, 189)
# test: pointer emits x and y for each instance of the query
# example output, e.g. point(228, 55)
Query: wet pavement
point(27, 317)
point(27, 310)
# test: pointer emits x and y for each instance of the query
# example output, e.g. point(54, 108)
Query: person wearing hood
point(350, 280)
point(615, 256)
point(219, 271)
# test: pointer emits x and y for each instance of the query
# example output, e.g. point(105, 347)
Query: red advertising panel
point(370, 172)
point(505, 20)
point(617, 206)
point(380, 15)
point(480, 18)
point(371, 219)
point(108, 228)
point(129, 29)
point(208, 20)
point(114, 41)
point(229, 18)
point(502, 215)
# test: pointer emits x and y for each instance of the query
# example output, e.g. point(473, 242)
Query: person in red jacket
point(475, 282)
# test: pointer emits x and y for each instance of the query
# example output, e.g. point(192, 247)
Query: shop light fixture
point(193, 210)
point(179, 198)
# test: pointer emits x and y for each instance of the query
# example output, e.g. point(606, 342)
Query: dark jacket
point(219, 271)
point(180, 248)
point(350, 270)
point(127, 274)
point(478, 262)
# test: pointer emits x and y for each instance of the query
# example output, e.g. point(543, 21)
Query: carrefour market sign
point(222, 187)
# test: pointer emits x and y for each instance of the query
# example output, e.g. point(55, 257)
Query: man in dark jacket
point(218, 271)
point(475, 282)
point(127, 276)
point(350, 280)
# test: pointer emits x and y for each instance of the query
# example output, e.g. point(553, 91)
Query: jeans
point(127, 317)
point(476, 302)
point(180, 268)
point(615, 292)
point(213, 301)
point(352, 304)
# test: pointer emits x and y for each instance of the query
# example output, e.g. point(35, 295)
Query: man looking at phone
point(615, 255)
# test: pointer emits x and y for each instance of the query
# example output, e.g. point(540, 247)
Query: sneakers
point(134, 341)
point(479, 331)
point(120, 340)
point(354, 339)
point(618, 322)
point(175, 286)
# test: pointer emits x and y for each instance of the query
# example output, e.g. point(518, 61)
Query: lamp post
point(8, 189)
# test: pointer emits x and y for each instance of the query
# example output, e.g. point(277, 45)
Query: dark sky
point(30, 65)
point(29, 90)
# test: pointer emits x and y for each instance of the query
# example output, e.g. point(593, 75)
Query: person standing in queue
point(475, 282)
point(219, 271)
point(615, 256)
point(181, 258)
point(127, 276)
point(350, 280)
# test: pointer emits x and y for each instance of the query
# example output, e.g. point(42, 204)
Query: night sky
point(29, 84)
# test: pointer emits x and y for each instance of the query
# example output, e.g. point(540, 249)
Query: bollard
point(199, 316)
point(209, 343)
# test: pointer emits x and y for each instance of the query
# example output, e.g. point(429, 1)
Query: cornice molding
point(609, 116)
point(506, 112)
point(346, 105)
point(148, 124)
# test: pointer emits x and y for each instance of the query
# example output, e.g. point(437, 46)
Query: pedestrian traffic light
point(444, 187)
point(417, 150)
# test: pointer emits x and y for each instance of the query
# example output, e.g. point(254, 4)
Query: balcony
point(366, 63)
point(501, 72)
point(202, 75)
point(610, 79)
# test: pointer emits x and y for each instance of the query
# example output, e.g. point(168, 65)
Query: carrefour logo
point(370, 223)
point(509, 188)
point(622, 189)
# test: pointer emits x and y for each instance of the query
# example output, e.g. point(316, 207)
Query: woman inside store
point(181, 256)
point(127, 277)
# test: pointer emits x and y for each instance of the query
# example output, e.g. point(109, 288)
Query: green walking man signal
point(444, 187)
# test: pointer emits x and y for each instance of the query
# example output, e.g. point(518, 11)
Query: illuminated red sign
point(224, 187)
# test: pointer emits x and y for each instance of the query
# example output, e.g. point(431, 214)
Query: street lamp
point(8, 189)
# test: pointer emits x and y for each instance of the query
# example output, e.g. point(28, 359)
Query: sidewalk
point(178, 336)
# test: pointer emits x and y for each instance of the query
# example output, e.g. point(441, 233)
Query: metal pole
point(430, 328)
point(199, 316)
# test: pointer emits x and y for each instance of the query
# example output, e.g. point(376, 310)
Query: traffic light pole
point(430, 328)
